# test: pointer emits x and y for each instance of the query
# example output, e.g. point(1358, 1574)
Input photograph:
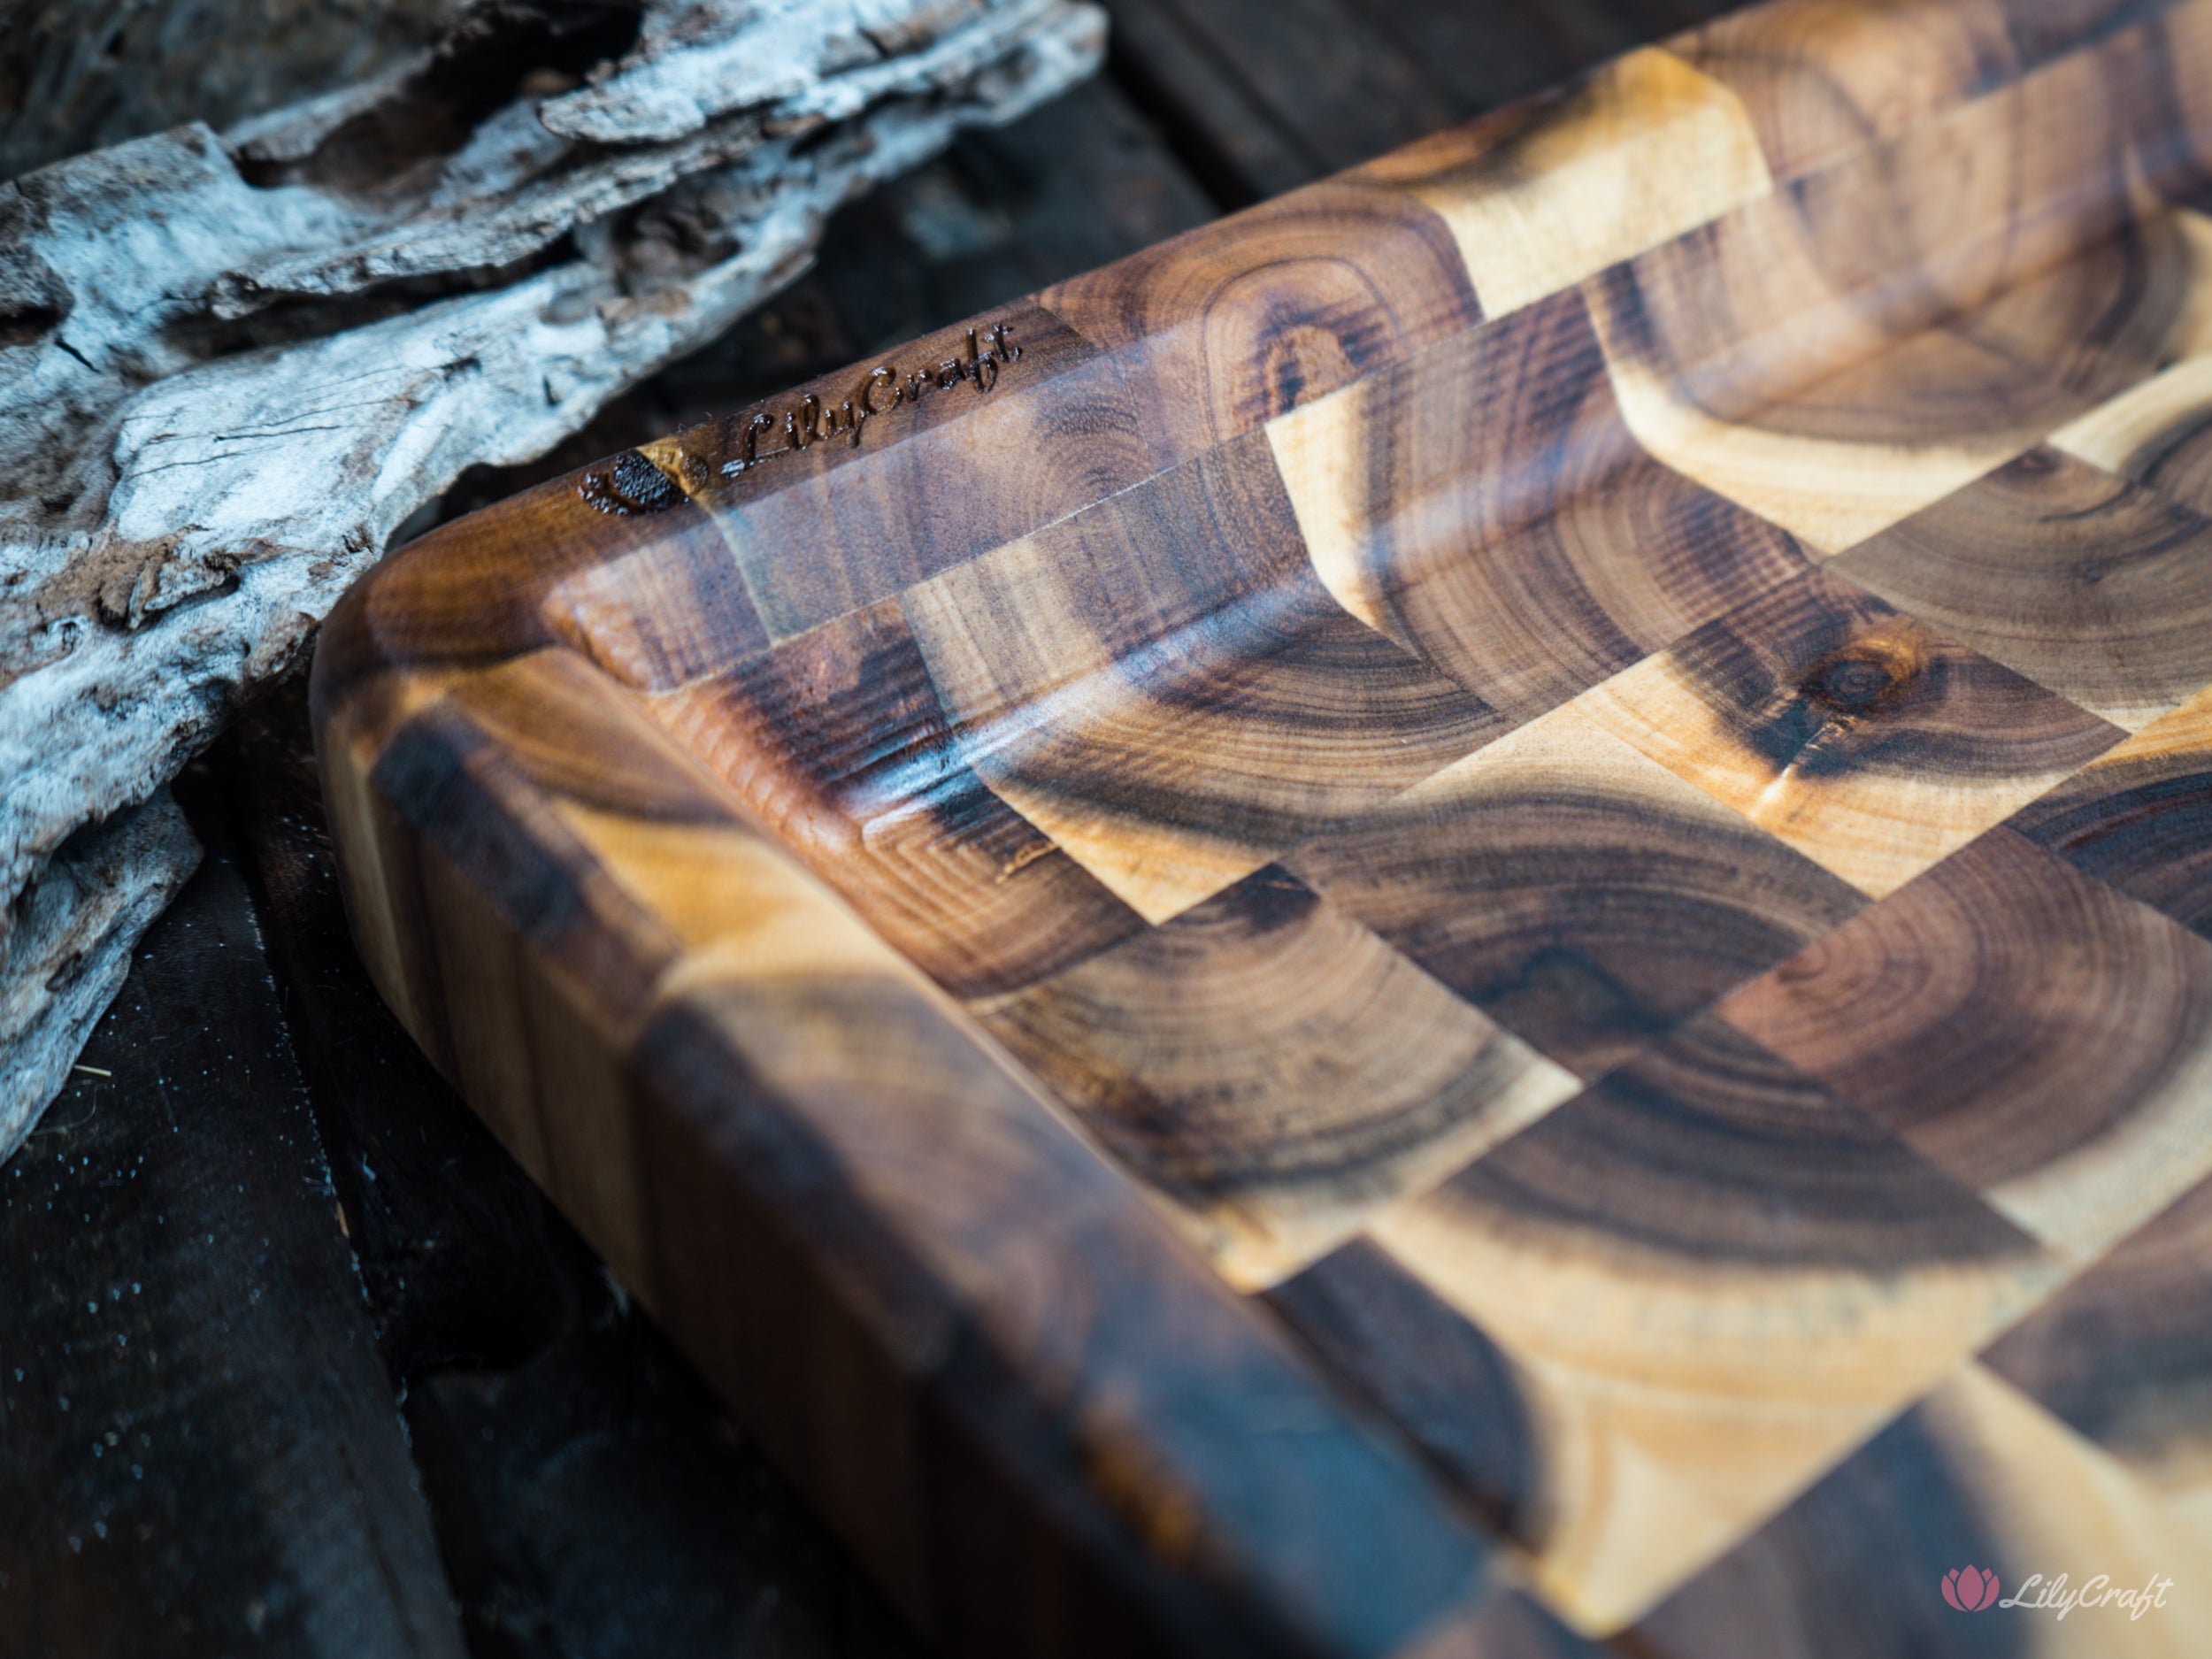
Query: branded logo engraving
point(886, 388)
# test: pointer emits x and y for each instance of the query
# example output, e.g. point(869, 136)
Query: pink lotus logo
point(1969, 1589)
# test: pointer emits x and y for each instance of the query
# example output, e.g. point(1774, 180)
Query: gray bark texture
point(234, 363)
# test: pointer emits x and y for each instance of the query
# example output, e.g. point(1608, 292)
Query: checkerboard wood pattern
point(1473, 915)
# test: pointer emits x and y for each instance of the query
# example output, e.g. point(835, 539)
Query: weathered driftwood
point(232, 366)
point(71, 945)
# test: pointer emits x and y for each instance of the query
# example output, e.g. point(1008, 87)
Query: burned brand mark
point(885, 388)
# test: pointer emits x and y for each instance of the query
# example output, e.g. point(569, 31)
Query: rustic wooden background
point(258, 1218)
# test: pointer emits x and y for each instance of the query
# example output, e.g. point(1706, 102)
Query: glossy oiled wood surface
point(1468, 916)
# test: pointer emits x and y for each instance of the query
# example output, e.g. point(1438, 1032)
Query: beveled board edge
point(1046, 1425)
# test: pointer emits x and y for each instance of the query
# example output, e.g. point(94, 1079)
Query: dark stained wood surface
point(1260, 96)
point(1470, 810)
point(194, 1461)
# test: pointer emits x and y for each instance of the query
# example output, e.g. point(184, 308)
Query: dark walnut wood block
point(1472, 916)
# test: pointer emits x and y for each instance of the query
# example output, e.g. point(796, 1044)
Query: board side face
point(1276, 879)
point(1046, 1426)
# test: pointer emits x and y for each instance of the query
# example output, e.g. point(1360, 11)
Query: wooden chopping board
point(1471, 916)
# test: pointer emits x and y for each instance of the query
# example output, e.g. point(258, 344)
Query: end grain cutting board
point(1468, 917)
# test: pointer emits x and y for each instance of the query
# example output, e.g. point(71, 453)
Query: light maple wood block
point(1538, 203)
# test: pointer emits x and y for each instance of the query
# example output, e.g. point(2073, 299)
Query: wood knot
point(1873, 673)
point(628, 484)
point(1849, 704)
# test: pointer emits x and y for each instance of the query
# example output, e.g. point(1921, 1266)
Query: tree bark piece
point(73, 947)
point(232, 367)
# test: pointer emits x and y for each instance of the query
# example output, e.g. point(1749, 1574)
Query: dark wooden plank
point(78, 77)
point(198, 1449)
point(1262, 97)
point(461, 1260)
point(1231, 142)
point(1488, 56)
point(595, 1503)
point(1259, 96)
